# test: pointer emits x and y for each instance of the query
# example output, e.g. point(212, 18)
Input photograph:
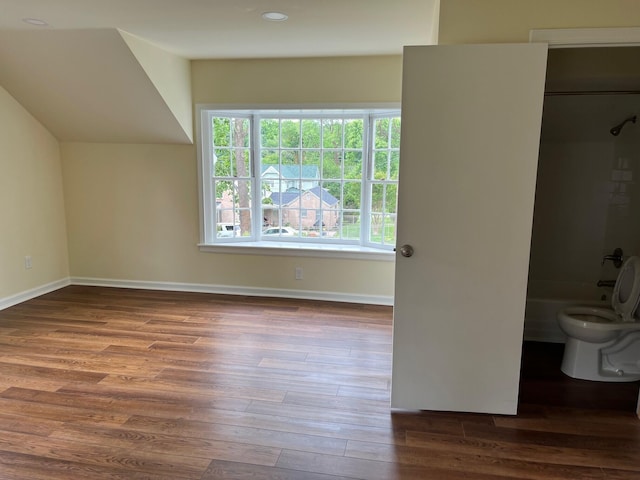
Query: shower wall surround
point(587, 204)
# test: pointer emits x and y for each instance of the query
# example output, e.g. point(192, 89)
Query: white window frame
point(360, 249)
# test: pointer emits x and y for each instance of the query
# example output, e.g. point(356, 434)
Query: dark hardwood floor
point(103, 383)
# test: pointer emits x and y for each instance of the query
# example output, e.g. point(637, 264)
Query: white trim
point(293, 249)
point(299, 107)
point(586, 37)
point(235, 290)
point(33, 293)
point(201, 176)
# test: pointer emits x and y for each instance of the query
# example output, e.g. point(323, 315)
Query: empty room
point(318, 240)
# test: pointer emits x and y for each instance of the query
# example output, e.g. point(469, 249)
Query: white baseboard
point(235, 290)
point(33, 293)
point(535, 329)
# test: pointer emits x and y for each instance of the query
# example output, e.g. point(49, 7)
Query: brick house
point(303, 209)
point(294, 189)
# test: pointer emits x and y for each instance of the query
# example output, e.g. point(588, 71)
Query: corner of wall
point(33, 250)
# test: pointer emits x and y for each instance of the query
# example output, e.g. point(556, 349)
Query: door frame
point(586, 37)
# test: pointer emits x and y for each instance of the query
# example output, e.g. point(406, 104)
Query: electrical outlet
point(299, 273)
point(27, 262)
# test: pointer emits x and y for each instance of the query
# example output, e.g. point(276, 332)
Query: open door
point(471, 118)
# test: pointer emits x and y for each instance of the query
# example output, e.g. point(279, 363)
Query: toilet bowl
point(604, 344)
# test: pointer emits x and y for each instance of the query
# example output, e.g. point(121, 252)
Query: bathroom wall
point(587, 197)
point(137, 204)
point(623, 227)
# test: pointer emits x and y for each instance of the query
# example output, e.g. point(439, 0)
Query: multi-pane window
point(384, 180)
point(304, 176)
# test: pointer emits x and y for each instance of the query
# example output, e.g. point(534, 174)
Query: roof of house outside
point(293, 171)
point(285, 198)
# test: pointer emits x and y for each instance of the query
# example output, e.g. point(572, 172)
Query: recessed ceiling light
point(35, 21)
point(275, 16)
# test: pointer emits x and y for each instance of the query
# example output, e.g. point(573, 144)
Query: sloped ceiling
point(118, 70)
point(86, 85)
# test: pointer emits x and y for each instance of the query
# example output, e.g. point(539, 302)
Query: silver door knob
point(406, 250)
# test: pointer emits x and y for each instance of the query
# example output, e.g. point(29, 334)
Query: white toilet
point(604, 344)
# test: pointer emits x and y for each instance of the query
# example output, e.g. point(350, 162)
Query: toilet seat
point(626, 292)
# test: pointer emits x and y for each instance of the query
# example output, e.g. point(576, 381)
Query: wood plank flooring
point(104, 383)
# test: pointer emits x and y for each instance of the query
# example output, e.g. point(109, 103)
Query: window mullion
point(367, 169)
point(209, 208)
point(256, 167)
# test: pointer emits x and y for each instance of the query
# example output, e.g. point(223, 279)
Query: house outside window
point(303, 176)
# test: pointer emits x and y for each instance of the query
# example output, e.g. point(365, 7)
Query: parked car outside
point(226, 230)
point(280, 232)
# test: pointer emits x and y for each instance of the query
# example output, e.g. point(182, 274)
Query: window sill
point(289, 249)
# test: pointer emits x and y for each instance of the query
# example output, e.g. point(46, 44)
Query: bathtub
point(540, 322)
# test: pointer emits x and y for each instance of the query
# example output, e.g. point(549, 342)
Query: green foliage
point(384, 198)
point(386, 163)
point(231, 147)
point(352, 195)
point(311, 158)
point(221, 132)
point(290, 133)
point(387, 132)
point(311, 133)
point(354, 134)
point(391, 198)
point(395, 132)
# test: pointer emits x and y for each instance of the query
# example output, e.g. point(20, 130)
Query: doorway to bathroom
point(587, 205)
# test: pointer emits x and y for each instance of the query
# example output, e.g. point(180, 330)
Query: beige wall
point(295, 81)
point(492, 21)
point(133, 209)
point(32, 216)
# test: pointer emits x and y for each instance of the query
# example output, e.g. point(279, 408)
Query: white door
point(471, 119)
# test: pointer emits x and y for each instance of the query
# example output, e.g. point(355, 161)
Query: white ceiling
point(83, 82)
point(198, 29)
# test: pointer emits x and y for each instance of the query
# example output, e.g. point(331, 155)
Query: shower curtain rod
point(593, 92)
